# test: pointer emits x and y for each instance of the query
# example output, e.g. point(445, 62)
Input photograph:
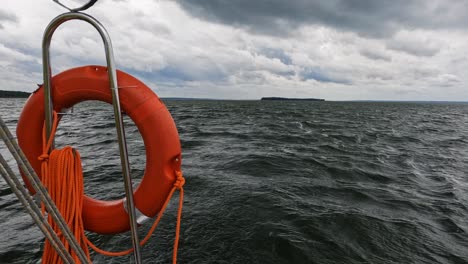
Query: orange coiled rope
point(62, 175)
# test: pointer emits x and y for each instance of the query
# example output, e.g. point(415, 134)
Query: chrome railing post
point(112, 73)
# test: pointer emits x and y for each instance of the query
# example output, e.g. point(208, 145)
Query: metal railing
point(112, 74)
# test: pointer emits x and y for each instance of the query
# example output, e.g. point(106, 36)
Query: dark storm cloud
point(366, 17)
point(6, 17)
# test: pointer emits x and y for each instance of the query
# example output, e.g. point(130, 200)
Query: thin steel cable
point(28, 202)
point(31, 175)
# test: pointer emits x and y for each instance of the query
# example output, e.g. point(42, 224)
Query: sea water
point(281, 182)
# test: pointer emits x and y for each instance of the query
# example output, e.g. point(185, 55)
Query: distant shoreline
point(14, 94)
point(20, 94)
point(290, 99)
point(300, 99)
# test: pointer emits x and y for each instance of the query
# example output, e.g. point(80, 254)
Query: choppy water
point(284, 182)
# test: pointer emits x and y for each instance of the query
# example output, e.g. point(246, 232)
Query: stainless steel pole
point(112, 73)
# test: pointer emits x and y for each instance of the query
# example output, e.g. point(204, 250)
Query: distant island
point(289, 99)
point(13, 94)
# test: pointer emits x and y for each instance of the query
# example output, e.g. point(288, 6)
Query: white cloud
point(418, 43)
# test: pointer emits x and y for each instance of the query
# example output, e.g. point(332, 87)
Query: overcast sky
point(244, 49)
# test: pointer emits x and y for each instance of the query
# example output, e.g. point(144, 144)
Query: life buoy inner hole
point(89, 127)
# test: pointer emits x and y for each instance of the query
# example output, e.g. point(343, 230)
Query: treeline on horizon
point(14, 94)
point(290, 99)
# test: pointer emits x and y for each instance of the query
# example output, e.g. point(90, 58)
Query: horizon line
point(325, 100)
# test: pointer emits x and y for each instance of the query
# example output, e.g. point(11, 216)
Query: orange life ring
point(154, 122)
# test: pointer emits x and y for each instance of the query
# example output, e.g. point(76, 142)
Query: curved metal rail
point(112, 73)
